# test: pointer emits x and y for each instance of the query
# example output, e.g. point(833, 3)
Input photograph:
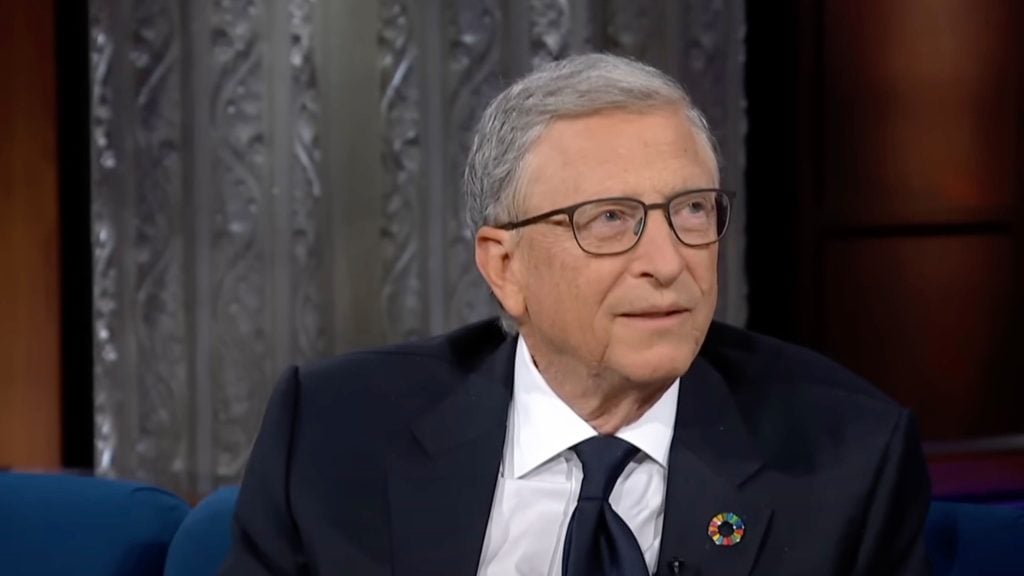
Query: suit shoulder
point(435, 362)
point(749, 359)
point(804, 411)
point(353, 405)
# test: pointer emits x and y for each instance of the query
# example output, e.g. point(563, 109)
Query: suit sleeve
point(893, 538)
point(265, 540)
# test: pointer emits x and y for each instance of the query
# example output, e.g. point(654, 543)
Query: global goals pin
point(726, 529)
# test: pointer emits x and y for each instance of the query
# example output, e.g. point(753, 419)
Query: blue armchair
point(975, 539)
point(962, 539)
point(54, 525)
point(201, 544)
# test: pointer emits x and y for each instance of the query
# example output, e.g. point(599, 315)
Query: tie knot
point(603, 458)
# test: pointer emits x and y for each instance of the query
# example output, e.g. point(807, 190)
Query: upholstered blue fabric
point(962, 539)
point(202, 542)
point(975, 539)
point(59, 525)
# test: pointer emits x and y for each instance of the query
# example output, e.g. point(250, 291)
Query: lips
point(655, 313)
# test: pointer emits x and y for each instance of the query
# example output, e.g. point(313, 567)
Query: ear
point(496, 259)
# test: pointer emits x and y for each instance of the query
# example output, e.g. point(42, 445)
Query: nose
point(658, 253)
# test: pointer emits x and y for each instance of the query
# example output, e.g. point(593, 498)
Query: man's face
point(640, 316)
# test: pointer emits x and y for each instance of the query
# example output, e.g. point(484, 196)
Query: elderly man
point(606, 425)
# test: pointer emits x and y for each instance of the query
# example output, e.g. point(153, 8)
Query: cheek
point(571, 289)
point(703, 267)
point(705, 274)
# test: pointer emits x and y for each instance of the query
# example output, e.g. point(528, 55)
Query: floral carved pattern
point(632, 27)
point(214, 204)
point(239, 255)
point(549, 30)
point(403, 291)
point(474, 41)
point(159, 314)
point(105, 245)
point(307, 222)
point(705, 58)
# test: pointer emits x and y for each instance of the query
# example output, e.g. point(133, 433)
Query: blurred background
point(195, 194)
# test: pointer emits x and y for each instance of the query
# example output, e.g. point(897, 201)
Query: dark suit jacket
point(385, 462)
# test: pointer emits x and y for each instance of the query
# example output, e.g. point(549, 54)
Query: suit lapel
point(712, 455)
point(442, 482)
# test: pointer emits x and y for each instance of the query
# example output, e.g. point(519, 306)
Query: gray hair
point(513, 121)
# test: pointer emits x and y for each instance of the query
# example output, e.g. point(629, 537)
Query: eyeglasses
point(611, 226)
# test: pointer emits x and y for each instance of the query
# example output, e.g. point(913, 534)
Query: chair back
point(972, 539)
point(202, 543)
point(53, 524)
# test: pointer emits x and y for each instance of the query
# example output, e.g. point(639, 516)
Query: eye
point(608, 216)
point(612, 216)
point(696, 206)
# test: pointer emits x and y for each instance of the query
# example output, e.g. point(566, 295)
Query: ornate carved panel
point(308, 222)
point(239, 253)
point(106, 244)
point(473, 38)
point(549, 30)
point(159, 317)
point(216, 243)
point(704, 62)
point(711, 67)
point(404, 292)
point(636, 28)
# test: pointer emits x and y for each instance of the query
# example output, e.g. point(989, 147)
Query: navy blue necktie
point(598, 541)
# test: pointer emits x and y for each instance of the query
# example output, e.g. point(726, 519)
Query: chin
point(659, 363)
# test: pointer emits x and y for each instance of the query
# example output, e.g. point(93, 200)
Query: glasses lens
point(608, 226)
point(700, 217)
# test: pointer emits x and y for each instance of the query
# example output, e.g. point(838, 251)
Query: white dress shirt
point(540, 476)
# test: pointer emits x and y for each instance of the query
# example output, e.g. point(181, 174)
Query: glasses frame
point(570, 212)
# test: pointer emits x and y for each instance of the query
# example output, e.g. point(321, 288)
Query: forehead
point(648, 154)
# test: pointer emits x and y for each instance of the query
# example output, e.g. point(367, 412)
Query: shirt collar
point(543, 426)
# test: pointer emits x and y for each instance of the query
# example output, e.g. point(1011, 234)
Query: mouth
point(654, 315)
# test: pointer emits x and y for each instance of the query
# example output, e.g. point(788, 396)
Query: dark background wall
point(885, 211)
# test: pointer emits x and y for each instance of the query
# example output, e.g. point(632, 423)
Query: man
point(608, 426)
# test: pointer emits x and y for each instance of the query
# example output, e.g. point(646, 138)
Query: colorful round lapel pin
point(726, 529)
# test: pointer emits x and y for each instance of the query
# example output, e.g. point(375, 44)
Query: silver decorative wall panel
point(275, 181)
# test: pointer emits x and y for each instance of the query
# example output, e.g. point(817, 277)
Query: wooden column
point(29, 239)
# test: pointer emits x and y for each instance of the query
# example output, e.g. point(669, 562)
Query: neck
point(608, 413)
point(606, 403)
